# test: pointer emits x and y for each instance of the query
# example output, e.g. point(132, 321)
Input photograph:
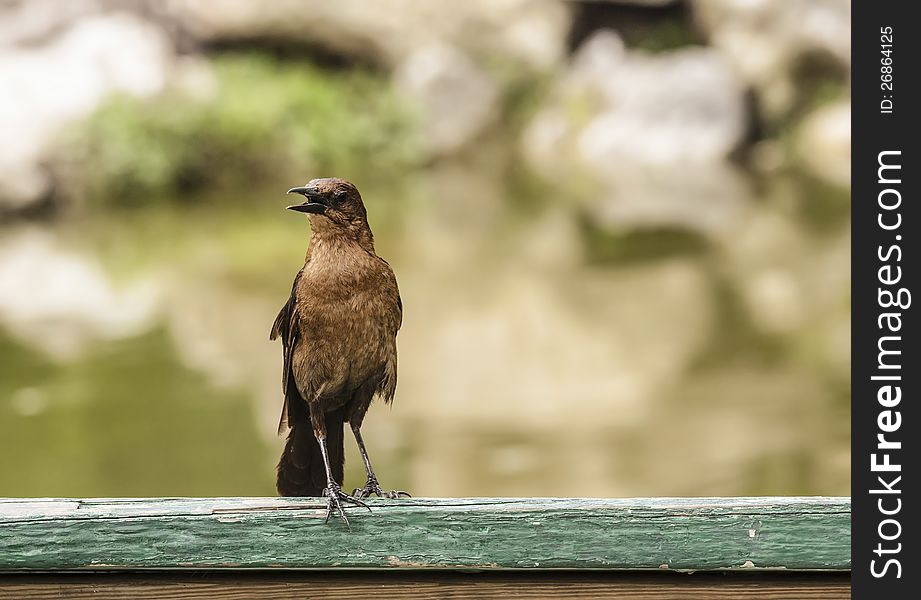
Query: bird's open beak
point(314, 204)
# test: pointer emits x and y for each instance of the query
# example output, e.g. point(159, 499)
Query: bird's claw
point(335, 497)
point(373, 487)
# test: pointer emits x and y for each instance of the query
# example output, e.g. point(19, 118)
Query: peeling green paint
point(685, 534)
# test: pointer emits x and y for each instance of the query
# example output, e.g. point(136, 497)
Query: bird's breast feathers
point(348, 320)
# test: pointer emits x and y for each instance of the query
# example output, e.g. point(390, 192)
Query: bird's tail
point(300, 470)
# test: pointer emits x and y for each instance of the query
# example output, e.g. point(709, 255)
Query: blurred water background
point(620, 228)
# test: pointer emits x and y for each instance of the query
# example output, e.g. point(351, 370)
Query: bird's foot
point(336, 497)
point(373, 487)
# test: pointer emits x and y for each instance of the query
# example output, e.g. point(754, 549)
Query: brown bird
point(338, 331)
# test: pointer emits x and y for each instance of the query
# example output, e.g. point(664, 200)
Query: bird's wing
point(282, 324)
point(386, 389)
point(393, 279)
point(285, 327)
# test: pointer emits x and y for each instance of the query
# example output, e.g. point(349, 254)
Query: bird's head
point(331, 202)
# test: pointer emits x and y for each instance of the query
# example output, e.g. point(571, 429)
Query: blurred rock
point(655, 130)
point(823, 143)
point(34, 22)
point(64, 79)
point(455, 99)
point(530, 33)
point(30, 22)
point(767, 41)
point(614, 107)
point(60, 301)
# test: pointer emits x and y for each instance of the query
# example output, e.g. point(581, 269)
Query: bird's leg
point(371, 486)
point(333, 490)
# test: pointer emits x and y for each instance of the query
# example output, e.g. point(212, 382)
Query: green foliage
point(268, 118)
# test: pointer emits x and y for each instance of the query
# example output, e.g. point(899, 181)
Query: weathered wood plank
point(427, 585)
point(688, 534)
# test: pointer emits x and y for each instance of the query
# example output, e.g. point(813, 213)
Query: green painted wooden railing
point(686, 534)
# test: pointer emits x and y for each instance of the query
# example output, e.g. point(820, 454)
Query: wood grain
point(684, 534)
point(427, 586)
